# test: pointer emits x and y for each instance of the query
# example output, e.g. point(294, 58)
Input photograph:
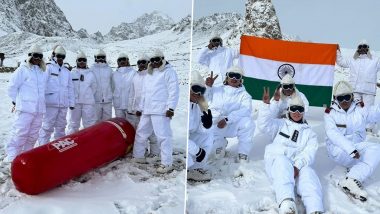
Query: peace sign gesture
point(210, 80)
point(266, 96)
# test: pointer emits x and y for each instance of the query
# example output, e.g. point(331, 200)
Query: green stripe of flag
point(317, 95)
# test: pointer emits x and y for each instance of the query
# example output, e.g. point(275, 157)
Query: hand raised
point(211, 79)
point(266, 96)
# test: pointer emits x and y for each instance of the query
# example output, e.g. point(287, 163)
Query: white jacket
point(84, 90)
point(122, 80)
point(346, 129)
point(363, 72)
point(160, 91)
point(195, 123)
point(218, 60)
point(59, 88)
point(299, 148)
point(229, 102)
point(27, 88)
point(103, 76)
point(279, 107)
point(135, 94)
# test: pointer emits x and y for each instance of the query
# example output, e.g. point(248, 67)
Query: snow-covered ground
point(122, 186)
point(246, 189)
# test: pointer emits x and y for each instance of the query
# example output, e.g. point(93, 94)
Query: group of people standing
point(222, 111)
point(50, 99)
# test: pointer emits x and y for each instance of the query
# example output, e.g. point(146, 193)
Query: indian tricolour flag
point(266, 61)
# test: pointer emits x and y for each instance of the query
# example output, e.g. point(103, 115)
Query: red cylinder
point(55, 163)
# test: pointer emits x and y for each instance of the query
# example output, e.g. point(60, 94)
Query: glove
point(207, 119)
point(138, 113)
point(71, 108)
point(170, 113)
point(200, 155)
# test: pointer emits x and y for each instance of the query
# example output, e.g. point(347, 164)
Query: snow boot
point(198, 175)
point(354, 188)
point(288, 206)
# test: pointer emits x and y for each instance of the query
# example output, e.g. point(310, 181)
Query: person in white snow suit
point(282, 96)
point(103, 94)
point(231, 106)
point(27, 92)
point(364, 68)
point(135, 98)
point(159, 99)
point(200, 136)
point(345, 123)
point(217, 58)
point(121, 84)
point(289, 158)
point(84, 90)
point(59, 96)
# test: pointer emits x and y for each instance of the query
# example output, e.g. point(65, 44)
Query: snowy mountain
point(261, 19)
point(183, 24)
point(41, 17)
point(147, 24)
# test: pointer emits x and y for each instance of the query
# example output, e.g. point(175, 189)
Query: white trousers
point(359, 169)
point(196, 141)
point(25, 133)
point(281, 173)
point(152, 146)
point(54, 120)
point(160, 126)
point(103, 111)
point(84, 112)
point(242, 129)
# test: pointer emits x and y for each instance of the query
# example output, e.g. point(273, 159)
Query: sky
point(95, 15)
point(343, 22)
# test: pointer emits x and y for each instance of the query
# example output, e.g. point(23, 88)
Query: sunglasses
point(155, 59)
point(100, 57)
point(287, 87)
point(141, 62)
point(199, 90)
point(82, 60)
point(363, 46)
point(122, 59)
point(298, 109)
point(37, 56)
point(215, 40)
point(346, 97)
point(60, 56)
point(233, 75)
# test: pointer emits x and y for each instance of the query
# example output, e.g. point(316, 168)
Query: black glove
point(71, 108)
point(200, 155)
point(207, 119)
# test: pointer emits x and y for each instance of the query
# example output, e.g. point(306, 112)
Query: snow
point(121, 186)
point(245, 188)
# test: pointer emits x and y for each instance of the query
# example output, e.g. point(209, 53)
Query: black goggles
point(287, 87)
point(139, 62)
point(196, 89)
point(215, 40)
point(60, 56)
point(122, 59)
point(294, 109)
point(155, 59)
point(233, 75)
point(82, 60)
point(37, 56)
point(346, 97)
point(100, 57)
point(363, 46)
